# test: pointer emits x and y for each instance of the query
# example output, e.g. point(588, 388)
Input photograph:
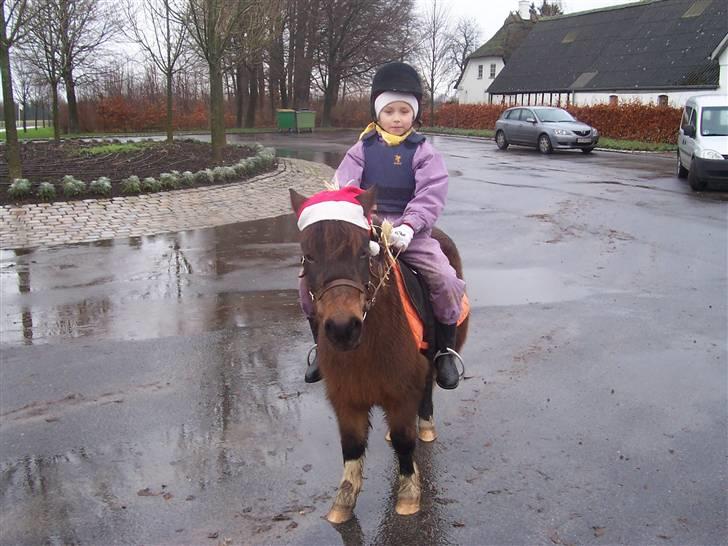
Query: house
point(486, 62)
point(659, 51)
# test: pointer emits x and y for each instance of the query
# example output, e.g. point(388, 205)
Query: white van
point(702, 144)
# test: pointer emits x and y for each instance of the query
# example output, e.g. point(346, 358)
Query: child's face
point(396, 118)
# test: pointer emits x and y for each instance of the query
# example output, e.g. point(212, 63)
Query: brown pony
point(367, 355)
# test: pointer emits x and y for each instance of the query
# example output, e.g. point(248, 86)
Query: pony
point(367, 354)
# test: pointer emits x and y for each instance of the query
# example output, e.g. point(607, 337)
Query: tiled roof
point(654, 44)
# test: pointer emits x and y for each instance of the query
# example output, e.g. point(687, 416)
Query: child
point(412, 182)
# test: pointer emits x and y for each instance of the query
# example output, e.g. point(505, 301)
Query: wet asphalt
point(152, 388)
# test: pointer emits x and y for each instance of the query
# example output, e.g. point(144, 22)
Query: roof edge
point(719, 48)
point(610, 90)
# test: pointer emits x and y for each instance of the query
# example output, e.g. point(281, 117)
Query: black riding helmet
point(399, 77)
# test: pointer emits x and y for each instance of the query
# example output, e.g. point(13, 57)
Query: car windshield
point(548, 115)
point(714, 121)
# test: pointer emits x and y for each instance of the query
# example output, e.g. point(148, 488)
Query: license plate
point(583, 140)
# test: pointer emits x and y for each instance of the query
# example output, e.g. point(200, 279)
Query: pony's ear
point(296, 199)
point(367, 199)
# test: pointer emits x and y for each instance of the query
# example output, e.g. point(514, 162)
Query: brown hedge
point(628, 121)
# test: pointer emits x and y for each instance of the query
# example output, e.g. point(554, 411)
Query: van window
point(714, 121)
point(686, 117)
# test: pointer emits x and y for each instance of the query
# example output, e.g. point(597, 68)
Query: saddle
point(418, 308)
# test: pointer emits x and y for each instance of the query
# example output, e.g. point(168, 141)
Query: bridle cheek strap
point(339, 282)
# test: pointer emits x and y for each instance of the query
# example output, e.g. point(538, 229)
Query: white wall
point(674, 98)
point(472, 90)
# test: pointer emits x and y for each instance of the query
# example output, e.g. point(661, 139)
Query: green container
point(305, 120)
point(286, 120)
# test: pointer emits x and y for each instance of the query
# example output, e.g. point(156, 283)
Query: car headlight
point(561, 132)
point(709, 154)
point(595, 132)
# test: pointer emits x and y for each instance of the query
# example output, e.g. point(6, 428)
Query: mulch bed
point(50, 162)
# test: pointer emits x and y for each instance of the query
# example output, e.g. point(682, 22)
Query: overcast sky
point(490, 14)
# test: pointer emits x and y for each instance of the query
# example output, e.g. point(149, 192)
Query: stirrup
point(457, 357)
point(308, 356)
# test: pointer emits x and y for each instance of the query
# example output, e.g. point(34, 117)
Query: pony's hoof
point(407, 507)
point(339, 514)
point(388, 436)
point(427, 434)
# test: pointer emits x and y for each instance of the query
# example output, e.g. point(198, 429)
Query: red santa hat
point(334, 205)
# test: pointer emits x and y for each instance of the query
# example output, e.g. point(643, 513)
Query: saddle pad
point(417, 307)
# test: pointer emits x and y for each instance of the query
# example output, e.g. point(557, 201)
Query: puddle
point(503, 287)
point(147, 287)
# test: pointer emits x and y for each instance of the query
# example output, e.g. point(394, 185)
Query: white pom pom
point(374, 248)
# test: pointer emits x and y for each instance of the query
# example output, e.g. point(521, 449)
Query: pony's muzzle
point(344, 332)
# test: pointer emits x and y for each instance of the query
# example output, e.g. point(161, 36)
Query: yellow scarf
point(389, 138)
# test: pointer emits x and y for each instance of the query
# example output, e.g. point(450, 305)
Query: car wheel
point(587, 150)
point(544, 144)
point(501, 141)
point(696, 183)
point(682, 172)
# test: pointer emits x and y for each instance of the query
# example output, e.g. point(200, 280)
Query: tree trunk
point(217, 111)
point(241, 74)
point(170, 114)
point(73, 124)
point(54, 113)
point(253, 100)
point(329, 100)
point(12, 147)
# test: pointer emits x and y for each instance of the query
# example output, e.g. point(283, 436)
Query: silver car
point(545, 127)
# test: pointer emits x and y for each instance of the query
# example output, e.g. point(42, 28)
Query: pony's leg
point(354, 428)
point(403, 431)
point(425, 422)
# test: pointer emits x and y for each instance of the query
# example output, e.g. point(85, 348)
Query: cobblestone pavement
point(264, 196)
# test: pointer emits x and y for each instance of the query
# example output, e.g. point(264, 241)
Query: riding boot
point(448, 376)
point(313, 374)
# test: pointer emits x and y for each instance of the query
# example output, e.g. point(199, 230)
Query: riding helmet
point(399, 77)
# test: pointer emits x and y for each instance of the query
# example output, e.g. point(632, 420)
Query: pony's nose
point(343, 333)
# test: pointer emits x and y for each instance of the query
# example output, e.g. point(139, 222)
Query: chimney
point(524, 9)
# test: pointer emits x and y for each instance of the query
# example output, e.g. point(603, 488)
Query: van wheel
point(682, 172)
point(501, 141)
point(696, 183)
point(544, 144)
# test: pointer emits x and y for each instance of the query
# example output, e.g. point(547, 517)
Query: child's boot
point(448, 376)
point(313, 374)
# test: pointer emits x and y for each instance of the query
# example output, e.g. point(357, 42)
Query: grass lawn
point(41, 132)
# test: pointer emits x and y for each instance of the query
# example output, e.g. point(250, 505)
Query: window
point(480, 71)
point(662, 100)
point(714, 121)
point(686, 117)
point(613, 100)
point(492, 71)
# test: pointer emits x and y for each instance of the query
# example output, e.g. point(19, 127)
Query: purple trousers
point(426, 256)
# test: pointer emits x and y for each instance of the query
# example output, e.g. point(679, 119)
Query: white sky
point(490, 14)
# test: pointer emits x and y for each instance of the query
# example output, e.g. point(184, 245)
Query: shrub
point(187, 179)
point(19, 188)
point(168, 181)
point(131, 185)
point(46, 191)
point(151, 185)
point(204, 177)
point(242, 167)
point(72, 187)
point(102, 186)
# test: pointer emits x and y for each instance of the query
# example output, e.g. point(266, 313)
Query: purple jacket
point(431, 181)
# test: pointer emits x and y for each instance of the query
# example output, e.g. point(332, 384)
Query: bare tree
point(356, 36)
point(43, 51)
point(13, 26)
point(161, 34)
point(83, 26)
point(433, 54)
point(463, 41)
point(212, 25)
point(23, 84)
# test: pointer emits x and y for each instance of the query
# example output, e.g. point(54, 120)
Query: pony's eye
point(307, 258)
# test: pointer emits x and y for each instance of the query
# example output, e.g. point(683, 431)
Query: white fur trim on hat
point(389, 97)
point(333, 210)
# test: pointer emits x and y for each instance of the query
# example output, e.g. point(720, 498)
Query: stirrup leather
point(457, 357)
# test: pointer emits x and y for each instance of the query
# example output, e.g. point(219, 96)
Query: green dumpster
point(286, 120)
point(305, 120)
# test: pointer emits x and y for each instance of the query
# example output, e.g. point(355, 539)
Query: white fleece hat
point(388, 97)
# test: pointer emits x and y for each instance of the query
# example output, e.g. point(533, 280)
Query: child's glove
point(401, 237)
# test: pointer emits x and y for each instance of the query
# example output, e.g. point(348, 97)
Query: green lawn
point(42, 132)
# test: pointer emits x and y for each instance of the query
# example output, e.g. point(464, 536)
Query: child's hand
point(401, 237)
